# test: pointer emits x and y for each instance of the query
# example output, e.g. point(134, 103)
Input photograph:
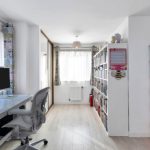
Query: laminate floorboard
point(78, 127)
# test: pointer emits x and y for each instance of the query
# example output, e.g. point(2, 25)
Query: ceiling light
point(76, 44)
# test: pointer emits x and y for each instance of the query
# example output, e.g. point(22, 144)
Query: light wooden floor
point(77, 127)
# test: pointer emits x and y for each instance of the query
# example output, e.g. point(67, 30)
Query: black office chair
point(28, 122)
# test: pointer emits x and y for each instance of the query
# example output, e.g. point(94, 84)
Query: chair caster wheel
point(45, 142)
point(22, 143)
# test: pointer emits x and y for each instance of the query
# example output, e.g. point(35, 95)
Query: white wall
point(123, 30)
point(26, 53)
point(34, 59)
point(139, 75)
point(61, 94)
point(20, 57)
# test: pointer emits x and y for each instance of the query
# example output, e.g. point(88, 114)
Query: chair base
point(25, 145)
point(43, 140)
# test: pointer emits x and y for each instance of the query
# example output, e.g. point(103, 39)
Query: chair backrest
point(38, 108)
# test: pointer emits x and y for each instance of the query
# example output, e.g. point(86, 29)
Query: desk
point(8, 103)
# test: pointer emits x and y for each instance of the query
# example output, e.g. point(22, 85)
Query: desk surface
point(9, 102)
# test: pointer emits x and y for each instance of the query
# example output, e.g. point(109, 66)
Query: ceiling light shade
point(76, 44)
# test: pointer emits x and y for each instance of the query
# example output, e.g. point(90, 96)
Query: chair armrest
point(19, 112)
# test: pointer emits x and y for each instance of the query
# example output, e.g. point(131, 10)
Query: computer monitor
point(4, 78)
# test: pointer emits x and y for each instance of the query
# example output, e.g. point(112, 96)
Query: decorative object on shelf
point(118, 62)
point(118, 59)
point(118, 74)
point(117, 38)
point(113, 39)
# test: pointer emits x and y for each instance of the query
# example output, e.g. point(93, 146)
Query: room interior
point(89, 60)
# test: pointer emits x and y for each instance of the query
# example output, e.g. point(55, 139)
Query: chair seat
point(21, 122)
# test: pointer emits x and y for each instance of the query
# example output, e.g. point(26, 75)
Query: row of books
point(100, 58)
point(100, 104)
point(100, 72)
point(101, 85)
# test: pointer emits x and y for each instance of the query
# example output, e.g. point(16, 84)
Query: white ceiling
point(93, 20)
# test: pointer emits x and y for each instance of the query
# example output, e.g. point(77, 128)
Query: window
point(75, 66)
point(1, 50)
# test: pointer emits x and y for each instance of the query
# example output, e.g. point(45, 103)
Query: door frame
point(52, 64)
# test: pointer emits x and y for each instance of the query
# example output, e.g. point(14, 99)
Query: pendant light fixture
point(76, 44)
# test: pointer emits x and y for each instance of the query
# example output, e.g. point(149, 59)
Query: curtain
point(94, 51)
point(57, 76)
point(1, 49)
point(75, 66)
point(7, 30)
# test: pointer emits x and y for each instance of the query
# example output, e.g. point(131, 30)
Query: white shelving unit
point(110, 94)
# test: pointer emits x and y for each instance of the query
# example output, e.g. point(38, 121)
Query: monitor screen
point(4, 78)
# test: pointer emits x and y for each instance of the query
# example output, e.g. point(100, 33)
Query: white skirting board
point(146, 134)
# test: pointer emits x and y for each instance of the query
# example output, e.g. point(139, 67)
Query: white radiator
point(76, 93)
